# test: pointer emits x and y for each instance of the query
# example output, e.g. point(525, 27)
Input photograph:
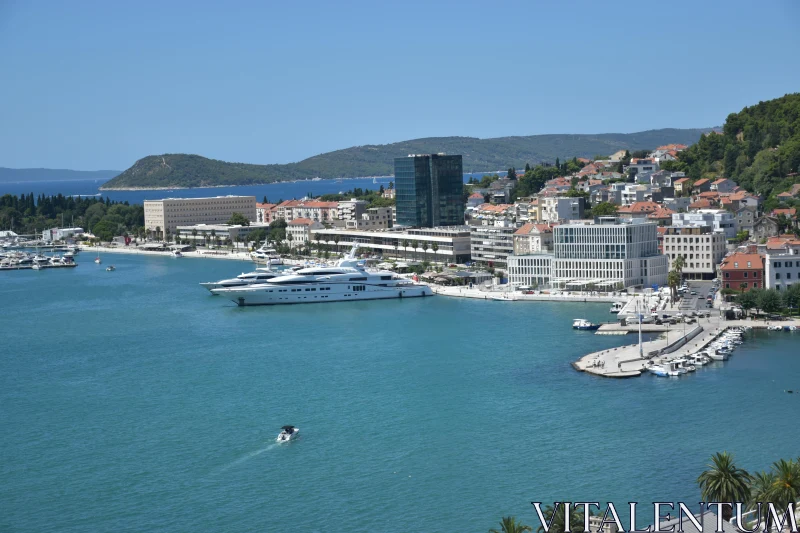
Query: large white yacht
point(259, 275)
point(347, 281)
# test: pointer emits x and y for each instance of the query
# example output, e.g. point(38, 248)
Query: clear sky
point(98, 84)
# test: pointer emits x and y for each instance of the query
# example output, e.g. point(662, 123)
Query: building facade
point(561, 208)
point(301, 230)
point(442, 244)
point(491, 243)
point(531, 270)
point(373, 218)
point(782, 269)
point(609, 254)
point(702, 250)
point(429, 190)
point(210, 233)
point(716, 219)
point(742, 271)
point(167, 214)
point(533, 239)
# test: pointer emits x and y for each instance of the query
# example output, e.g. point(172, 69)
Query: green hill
point(759, 148)
point(181, 170)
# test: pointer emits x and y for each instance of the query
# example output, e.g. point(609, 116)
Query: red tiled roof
point(529, 227)
point(789, 212)
point(785, 195)
point(756, 261)
point(700, 182)
point(640, 207)
point(661, 212)
point(682, 180)
point(476, 195)
point(721, 180)
point(702, 203)
point(709, 194)
point(301, 222)
point(264, 206)
point(499, 208)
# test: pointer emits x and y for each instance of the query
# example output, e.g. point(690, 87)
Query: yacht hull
point(273, 295)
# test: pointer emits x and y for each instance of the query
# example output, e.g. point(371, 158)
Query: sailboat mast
point(641, 350)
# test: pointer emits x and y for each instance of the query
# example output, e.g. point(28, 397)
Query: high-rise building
point(429, 190)
point(166, 215)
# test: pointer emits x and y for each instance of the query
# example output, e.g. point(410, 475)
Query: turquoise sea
point(135, 401)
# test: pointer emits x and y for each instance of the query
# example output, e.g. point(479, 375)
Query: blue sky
point(96, 85)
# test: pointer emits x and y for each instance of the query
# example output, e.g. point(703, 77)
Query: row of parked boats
point(719, 350)
point(17, 260)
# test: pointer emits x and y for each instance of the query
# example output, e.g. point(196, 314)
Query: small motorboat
point(774, 328)
point(658, 370)
point(584, 325)
point(287, 433)
point(176, 253)
point(616, 307)
point(110, 268)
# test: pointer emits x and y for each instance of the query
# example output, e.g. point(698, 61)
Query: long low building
point(161, 216)
point(449, 244)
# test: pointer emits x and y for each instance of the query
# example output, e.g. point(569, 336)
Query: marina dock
point(631, 360)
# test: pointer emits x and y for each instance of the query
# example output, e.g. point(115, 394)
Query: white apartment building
point(717, 219)
point(60, 234)
point(351, 209)
point(492, 242)
point(373, 218)
point(202, 233)
point(451, 243)
point(782, 269)
point(557, 208)
point(533, 238)
point(702, 249)
point(169, 213)
point(301, 230)
point(608, 254)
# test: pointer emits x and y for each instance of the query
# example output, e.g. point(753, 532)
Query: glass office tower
point(429, 190)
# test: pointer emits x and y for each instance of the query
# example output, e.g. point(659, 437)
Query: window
point(727, 274)
point(776, 264)
point(745, 275)
point(788, 275)
point(777, 275)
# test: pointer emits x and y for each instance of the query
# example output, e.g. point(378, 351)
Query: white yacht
point(266, 255)
point(287, 433)
point(616, 307)
point(347, 281)
point(259, 275)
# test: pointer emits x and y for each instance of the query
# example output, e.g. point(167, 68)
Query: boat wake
point(247, 457)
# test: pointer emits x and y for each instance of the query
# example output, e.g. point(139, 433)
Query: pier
point(631, 360)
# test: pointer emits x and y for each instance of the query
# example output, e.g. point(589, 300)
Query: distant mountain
point(10, 175)
point(182, 170)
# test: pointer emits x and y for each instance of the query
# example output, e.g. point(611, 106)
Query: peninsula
point(170, 171)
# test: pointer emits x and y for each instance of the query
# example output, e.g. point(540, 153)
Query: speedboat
point(287, 433)
point(682, 362)
point(716, 355)
point(616, 307)
point(584, 325)
point(658, 370)
point(259, 275)
point(349, 280)
point(176, 253)
point(774, 328)
point(698, 359)
point(110, 268)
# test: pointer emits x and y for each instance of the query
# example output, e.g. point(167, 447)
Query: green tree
point(723, 481)
point(336, 239)
point(512, 173)
point(405, 248)
point(673, 282)
point(104, 230)
point(318, 238)
point(509, 524)
point(604, 209)
point(238, 219)
point(769, 300)
point(158, 232)
point(747, 300)
point(576, 519)
point(435, 248)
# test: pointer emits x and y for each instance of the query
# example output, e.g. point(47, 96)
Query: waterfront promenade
point(517, 296)
point(203, 254)
point(628, 361)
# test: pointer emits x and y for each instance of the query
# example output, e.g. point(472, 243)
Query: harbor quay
point(518, 296)
point(204, 254)
point(632, 360)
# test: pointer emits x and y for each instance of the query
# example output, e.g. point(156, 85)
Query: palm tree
point(194, 236)
point(786, 484)
point(318, 238)
point(336, 241)
point(673, 281)
point(396, 245)
point(290, 238)
point(760, 488)
point(509, 525)
point(405, 248)
point(724, 482)
point(435, 248)
point(678, 263)
point(415, 246)
point(158, 231)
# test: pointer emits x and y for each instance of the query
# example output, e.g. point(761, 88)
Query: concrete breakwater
point(517, 296)
point(632, 360)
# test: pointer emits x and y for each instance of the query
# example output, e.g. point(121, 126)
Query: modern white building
point(531, 270)
point(611, 254)
point(702, 249)
point(492, 242)
point(717, 219)
point(60, 234)
point(782, 269)
point(167, 214)
point(447, 244)
point(533, 238)
point(560, 208)
point(351, 209)
point(202, 233)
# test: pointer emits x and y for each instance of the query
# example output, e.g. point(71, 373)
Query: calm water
point(273, 191)
point(135, 401)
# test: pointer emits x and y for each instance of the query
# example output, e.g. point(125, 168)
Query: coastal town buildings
point(782, 268)
point(610, 254)
point(60, 234)
point(300, 230)
point(429, 190)
point(164, 216)
point(532, 238)
point(561, 208)
point(373, 218)
point(742, 271)
point(210, 233)
point(265, 213)
point(448, 244)
point(701, 248)
point(717, 219)
point(745, 218)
